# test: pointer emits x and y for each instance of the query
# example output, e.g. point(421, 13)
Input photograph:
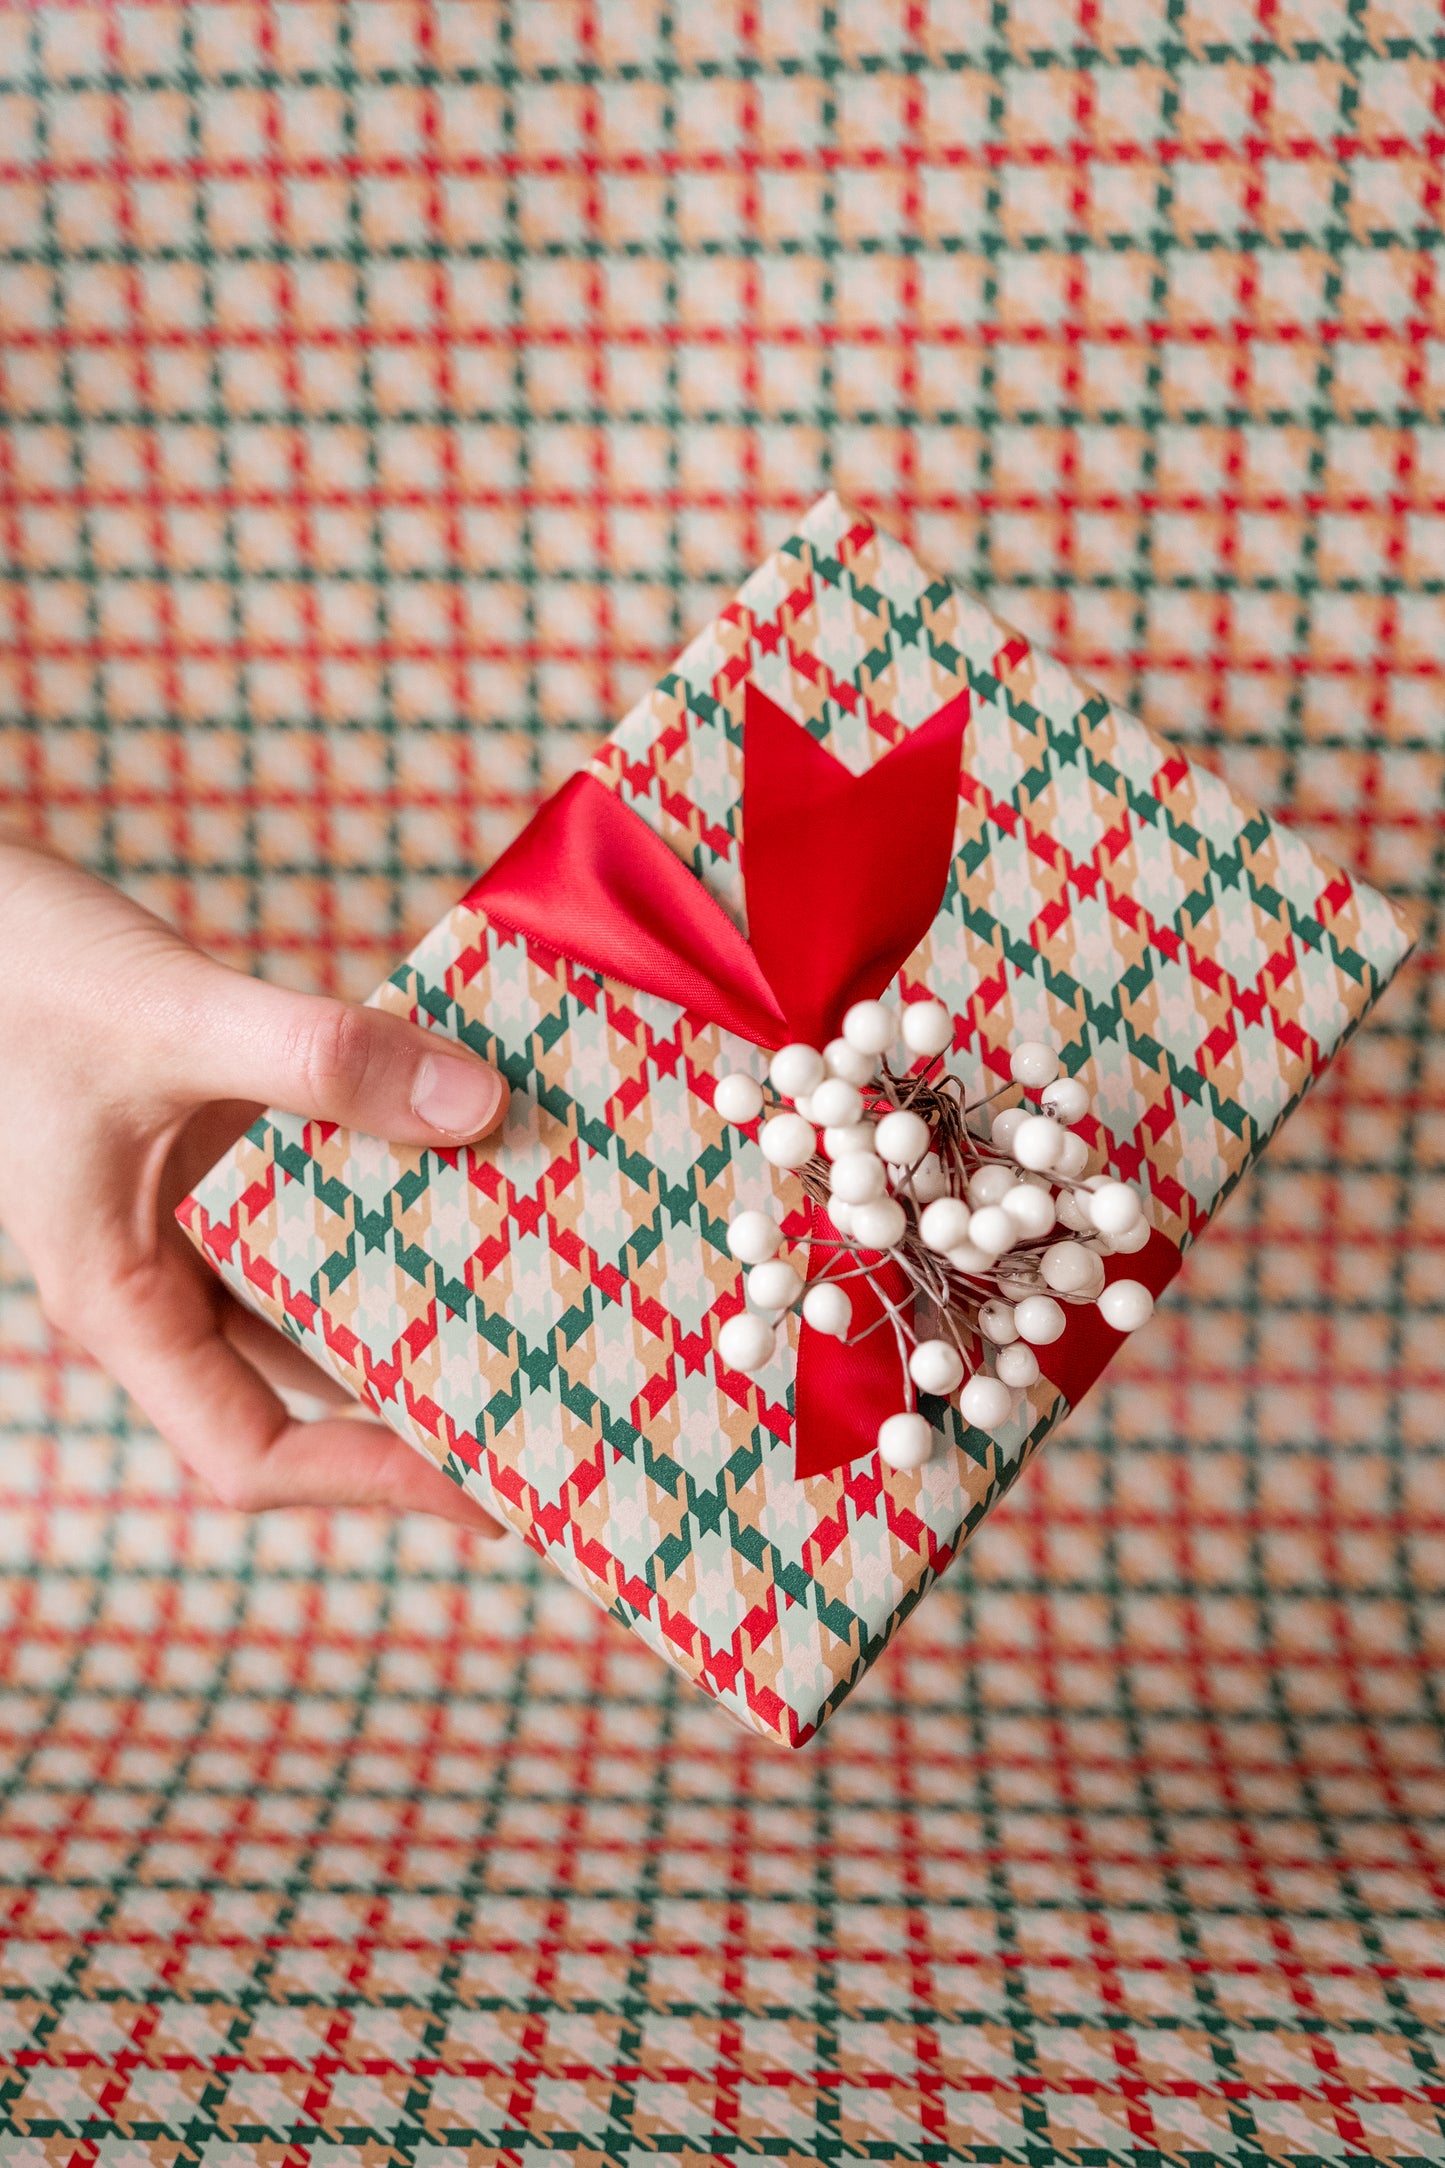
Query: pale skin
point(129, 1061)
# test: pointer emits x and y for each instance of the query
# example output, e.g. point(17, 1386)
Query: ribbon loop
point(588, 879)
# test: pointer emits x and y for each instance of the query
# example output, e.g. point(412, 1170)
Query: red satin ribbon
point(843, 877)
point(844, 873)
point(588, 879)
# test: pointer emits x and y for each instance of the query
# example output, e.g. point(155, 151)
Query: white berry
point(849, 1062)
point(787, 1140)
point(1133, 1239)
point(775, 1285)
point(1030, 1209)
point(936, 1366)
point(1032, 1064)
point(992, 1231)
point(944, 1224)
point(966, 1259)
point(1039, 1319)
point(1073, 1154)
point(796, 1069)
point(1070, 1269)
point(1073, 1211)
point(753, 1237)
point(1017, 1365)
point(905, 1441)
point(870, 1026)
point(1038, 1142)
point(1006, 1126)
point(841, 1215)
point(827, 1309)
point(990, 1184)
point(879, 1226)
point(1066, 1100)
point(985, 1402)
point(902, 1138)
point(996, 1323)
point(738, 1098)
point(1126, 1305)
point(930, 1179)
point(835, 1104)
point(1114, 1208)
point(746, 1343)
point(927, 1027)
point(853, 1137)
point(858, 1178)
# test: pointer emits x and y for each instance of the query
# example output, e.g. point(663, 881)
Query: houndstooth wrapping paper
point(540, 1313)
point(321, 1839)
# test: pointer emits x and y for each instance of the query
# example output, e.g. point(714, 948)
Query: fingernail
point(456, 1095)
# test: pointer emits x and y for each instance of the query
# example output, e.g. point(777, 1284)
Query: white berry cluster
point(993, 1218)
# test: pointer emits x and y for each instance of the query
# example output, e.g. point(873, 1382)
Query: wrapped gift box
point(539, 1314)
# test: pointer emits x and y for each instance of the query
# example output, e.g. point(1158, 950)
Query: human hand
point(128, 1063)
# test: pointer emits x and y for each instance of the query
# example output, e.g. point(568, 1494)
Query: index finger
point(160, 1335)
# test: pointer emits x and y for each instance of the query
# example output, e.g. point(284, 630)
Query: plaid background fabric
point(389, 389)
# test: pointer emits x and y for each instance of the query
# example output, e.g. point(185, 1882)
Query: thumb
point(363, 1068)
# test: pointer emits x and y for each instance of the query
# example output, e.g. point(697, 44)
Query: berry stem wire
point(944, 1300)
point(954, 1297)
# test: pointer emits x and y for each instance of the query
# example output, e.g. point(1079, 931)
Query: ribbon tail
point(842, 1393)
point(1086, 1346)
point(844, 873)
